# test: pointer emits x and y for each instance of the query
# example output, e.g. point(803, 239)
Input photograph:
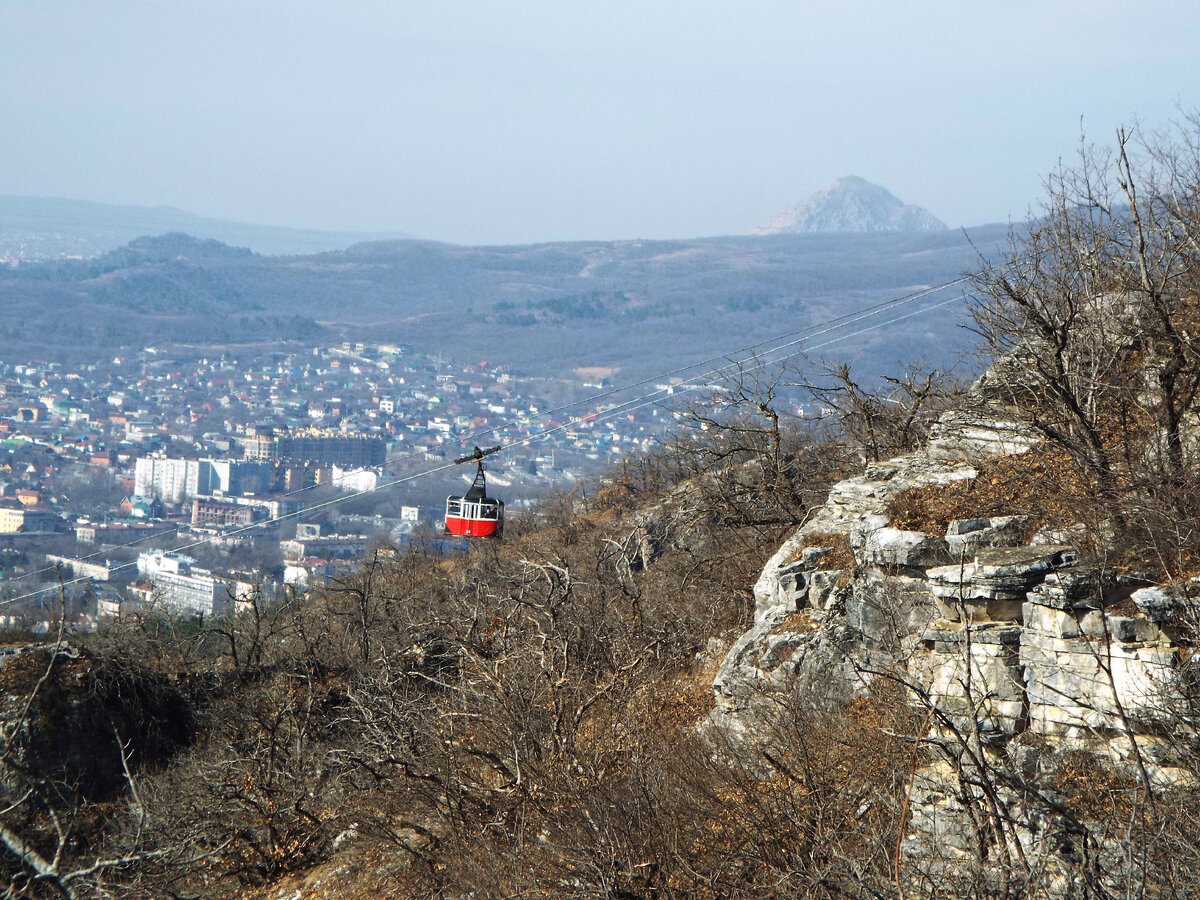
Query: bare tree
point(891, 419)
point(1092, 316)
point(754, 464)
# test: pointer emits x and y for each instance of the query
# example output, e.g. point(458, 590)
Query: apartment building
point(187, 589)
point(316, 445)
point(175, 480)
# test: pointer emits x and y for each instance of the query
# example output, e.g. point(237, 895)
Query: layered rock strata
point(1018, 654)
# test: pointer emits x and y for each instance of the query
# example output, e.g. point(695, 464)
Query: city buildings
point(191, 446)
point(175, 480)
point(323, 447)
point(187, 589)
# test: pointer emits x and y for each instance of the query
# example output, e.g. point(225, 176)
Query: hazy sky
point(515, 121)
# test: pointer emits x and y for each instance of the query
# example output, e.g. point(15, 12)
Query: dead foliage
point(1041, 484)
point(1092, 787)
point(838, 553)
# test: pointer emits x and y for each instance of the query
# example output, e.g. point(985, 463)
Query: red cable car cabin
point(475, 514)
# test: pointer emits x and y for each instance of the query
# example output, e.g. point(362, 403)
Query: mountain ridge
point(629, 304)
point(35, 228)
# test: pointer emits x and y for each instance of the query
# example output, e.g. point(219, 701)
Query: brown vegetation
point(1041, 484)
point(521, 720)
point(838, 553)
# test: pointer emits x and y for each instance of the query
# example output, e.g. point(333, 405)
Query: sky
point(511, 121)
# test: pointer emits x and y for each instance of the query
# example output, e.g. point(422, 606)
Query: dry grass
point(1041, 484)
point(838, 553)
point(800, 622)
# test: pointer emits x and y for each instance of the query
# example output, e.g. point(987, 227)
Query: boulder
point(970, 535)
point(1164, 604)
point(891, 547)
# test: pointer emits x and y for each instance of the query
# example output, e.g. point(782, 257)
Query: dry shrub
point(800, 622)
point(838, 553)
point(1092, 788)
point(828, 800)
point(1041, 484)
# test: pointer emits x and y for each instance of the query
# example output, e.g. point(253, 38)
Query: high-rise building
point(175, 480)
point(316, 445)
point(164, 479)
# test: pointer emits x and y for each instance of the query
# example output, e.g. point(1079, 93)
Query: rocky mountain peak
point(852, 205)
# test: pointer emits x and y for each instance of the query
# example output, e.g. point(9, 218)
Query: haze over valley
point(635, 306)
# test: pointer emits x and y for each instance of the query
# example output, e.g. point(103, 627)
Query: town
point(197, 479)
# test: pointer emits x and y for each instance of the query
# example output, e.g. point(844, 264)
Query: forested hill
point(638, 305)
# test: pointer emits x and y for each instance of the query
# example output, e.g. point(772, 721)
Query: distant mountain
point(852, 205)
point(544, 309)
point(48, 228)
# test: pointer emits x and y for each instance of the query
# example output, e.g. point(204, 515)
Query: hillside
point(642, 306)
point(947, 651)
point(600, 706)
point(358, 742)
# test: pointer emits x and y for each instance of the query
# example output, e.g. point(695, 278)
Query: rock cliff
point(1019, 656)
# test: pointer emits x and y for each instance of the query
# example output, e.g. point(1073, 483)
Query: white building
point(361, 481)
point(152, 562)
point(186, 589)
point(164, 479)
point(175, 480)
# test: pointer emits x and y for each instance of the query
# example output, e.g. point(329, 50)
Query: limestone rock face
point(892, 548)
point(992, 586)
point(1020, 656)
point(857, 614)
point(974, 675)
point(1089, 672)
point(966, 536)
point(977, 432)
